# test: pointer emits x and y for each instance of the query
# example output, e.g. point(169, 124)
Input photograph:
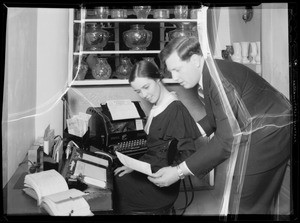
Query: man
point(256, 123)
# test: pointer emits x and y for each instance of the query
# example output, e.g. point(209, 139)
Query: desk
point(16, 202)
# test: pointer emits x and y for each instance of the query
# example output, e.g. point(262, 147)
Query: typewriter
point(126, 135)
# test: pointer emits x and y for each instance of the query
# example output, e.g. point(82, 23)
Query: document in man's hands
point(134, 164)
point(51, 191)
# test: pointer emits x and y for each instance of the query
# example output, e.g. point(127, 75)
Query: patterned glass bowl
point(142, 12)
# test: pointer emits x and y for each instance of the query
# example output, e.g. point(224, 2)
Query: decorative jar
point(142, 12)
point(181, 11)
point(194, 13)
point(161, 14)
point(96, 38)
point(102, 12)
point(124, 69)
point(245, 52)
point(119, 13)
point(253, 52)
point(150, 59)
point(80, 69)
point(258, 56)
point(183, 29)
point(237, 55)
point(226, 54)
point(102, 69)
point(137, 37)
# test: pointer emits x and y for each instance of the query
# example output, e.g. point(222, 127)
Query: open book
point(51, 191)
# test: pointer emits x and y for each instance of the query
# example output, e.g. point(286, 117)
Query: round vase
point(96, 38)
point(102, 69)
point(137, 37)
point(237, 55)
point(182, 29)
point(124, 69)
point(80, 69)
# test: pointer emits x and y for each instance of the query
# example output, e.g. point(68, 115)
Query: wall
point(19, 88)
point(275, 51)
point(245, 31)
point(36, 69)
point(52, 68)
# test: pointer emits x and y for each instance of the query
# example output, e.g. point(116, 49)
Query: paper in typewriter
point(122, 109)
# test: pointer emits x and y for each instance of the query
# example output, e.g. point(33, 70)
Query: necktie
point(201, 95)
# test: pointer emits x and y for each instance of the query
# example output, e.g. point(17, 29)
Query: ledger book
point(52, 193)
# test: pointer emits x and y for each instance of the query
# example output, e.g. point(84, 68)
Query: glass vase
point(245, 52)
point(237, 52)
point(124, 69)
point(258, 56)
point(182, 29)
point(142, 12)
point(150, 59)
point(137, 37)
point(102, 69)
point(253, 52)
point(80, 69)
point(96, 38)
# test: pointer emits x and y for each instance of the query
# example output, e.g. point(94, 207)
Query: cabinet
point(115, 48)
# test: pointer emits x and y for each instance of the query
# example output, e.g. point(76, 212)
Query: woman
point(168, 119)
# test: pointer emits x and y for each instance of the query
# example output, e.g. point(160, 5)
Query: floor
point(207, 202)
point(204, 203)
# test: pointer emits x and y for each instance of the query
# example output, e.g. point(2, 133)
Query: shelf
point(112, 82)
point(114, 52)
point(135, 20)
point(119, 52)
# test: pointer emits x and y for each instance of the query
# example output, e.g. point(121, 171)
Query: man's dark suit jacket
point(268, 109)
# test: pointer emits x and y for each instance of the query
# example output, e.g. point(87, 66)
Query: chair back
point(172, 151)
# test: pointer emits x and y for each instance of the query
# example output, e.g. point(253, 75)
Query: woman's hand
point(122, 170)
point(164, 177)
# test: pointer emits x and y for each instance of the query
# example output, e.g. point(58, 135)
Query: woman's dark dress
point(134, 192)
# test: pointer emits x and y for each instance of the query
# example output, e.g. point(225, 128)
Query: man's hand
point(122, 170)
point(164, 177)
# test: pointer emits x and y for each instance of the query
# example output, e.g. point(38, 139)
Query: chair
point(168, 209)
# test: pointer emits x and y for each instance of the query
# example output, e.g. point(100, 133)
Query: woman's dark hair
point(184, 46)
point(144, 68)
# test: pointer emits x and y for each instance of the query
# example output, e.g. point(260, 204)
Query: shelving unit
point(162, 26)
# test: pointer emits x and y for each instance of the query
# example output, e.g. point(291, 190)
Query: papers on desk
point(134, 164)
point(95, 159)
point(78, 124)
point(57, 152)
point(48, 140)
point(122, 109)
point(92, 174)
